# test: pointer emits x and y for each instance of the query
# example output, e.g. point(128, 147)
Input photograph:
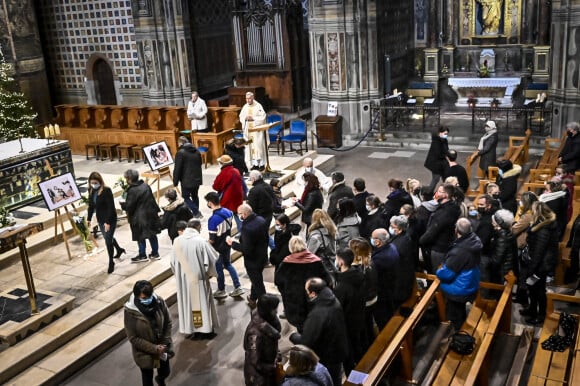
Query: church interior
point(110, 77)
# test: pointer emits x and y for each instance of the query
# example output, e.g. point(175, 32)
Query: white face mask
point(520, 203)
point(95, 186)
point(368, 208)
point(391, 231)
point(278, 227)
point(309, 169)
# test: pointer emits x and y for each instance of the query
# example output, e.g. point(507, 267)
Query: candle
point(57, 129)
point(51, 130)
point(46, 132)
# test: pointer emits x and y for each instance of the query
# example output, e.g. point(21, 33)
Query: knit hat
point(225, 160)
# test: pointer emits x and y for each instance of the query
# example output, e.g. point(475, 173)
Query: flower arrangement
point(81, 226)
point(6, 218)
point(122, 183)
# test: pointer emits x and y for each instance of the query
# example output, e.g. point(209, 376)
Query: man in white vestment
point(253, 115)
point(193, 263)
point(197, 113)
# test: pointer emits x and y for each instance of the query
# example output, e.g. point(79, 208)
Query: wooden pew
point(394, 339)
point(551, 368)
point(552, 149)
point(473, 368)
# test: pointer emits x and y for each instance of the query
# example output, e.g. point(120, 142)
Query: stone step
point(83, 349)
point(25, 354)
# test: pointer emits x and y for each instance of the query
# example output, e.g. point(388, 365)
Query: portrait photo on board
point(158, 155)
point(59, 191)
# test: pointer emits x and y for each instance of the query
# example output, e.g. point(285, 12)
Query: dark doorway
point(104, 85)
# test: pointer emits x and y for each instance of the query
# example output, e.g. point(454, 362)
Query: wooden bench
point(108, 150)
point(556, 368)
point(395, 339)
point(486, 318)
point(124, 152)
point(94, 146)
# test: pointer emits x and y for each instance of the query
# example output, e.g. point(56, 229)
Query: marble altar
point(484, 89)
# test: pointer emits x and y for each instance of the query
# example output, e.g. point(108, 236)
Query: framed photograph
point(158, 155)
point(59, 191)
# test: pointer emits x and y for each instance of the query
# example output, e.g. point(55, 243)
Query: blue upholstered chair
point(277, 131)
point(203, 146)
point(297, 134)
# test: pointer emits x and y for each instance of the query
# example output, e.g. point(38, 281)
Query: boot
point(111, 266)
point(119, 250)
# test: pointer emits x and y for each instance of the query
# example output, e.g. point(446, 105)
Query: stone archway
point(101, 83)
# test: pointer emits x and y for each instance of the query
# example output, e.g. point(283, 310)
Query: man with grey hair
point(261, 197)
point(253, 115)
point(570, 155)
point(253, 243)
point(459, 273)
point(197, 113)
point(142, 212)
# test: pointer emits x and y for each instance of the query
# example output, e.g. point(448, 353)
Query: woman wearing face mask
point(148, 328)
point(374, 219)
point(486, 149)
point(347, 222)
point(102, 203)
point(507, 181)
point(311, 199)
point(519, 229)
point(436, 161)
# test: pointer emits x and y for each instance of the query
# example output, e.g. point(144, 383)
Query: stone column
point(20, 43)
point(163, 51)
point(544, 19)
point(450, 22)
point(433, 30)
point(344, 63)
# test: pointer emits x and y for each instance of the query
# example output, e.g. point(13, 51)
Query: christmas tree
point(16, 115)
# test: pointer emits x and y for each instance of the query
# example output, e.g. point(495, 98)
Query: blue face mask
point(500, 172)
point(372, 242)
point(473, 213)
point(391, 231)
point(147, 302)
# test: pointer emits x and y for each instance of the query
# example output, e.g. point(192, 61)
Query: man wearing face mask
point(435, 160)
point(570, 154)
point(493, 191)
point(408, 254)
point(439, 233)
point(485, 231)
point(459, 273)
point(219, 227)
point(386, 260)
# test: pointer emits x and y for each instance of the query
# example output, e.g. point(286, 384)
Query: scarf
point(488, 133)
point(150, 312)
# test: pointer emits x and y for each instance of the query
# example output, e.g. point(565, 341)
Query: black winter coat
point(261, 347)
point(253, 241)
point(395, 200)
point(505, 252)
point(104, 206)
point(290, 279)
point(261, 199)
point(543, 247)
point(405, 272)
point(508, 188)
point(488, 155)
point(314, 200)
point(440, 232)
point(142, 211)
point(187, 168)
point(360, 203)
point(350, 292)
point(337, 192)
point(325, 329)
point(571, 153)
point(371, 222)
point(436, 161)
point(281, 239)
point(485, 233)
point(171, 215)
point(559, 205)
point(238, 156)
point(460, 173)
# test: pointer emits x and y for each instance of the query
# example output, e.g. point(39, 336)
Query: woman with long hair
point(543, 251)
point(396, 198)
point(362, 250)
point(304, 368)
point(321, 235)
point(311, 198)
point(102, 203)
point(519, 230)
point(347, 222)
point(374, 219)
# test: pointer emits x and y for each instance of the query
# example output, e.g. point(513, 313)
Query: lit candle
point(57, 129)
point(51, 130)
point(46, 132)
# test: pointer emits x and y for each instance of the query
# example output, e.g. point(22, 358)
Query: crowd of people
point(350, 265)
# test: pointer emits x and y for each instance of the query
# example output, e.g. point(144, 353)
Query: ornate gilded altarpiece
point(471, 23)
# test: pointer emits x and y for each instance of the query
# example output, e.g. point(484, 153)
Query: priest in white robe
point(193, 263)
point(253, 115)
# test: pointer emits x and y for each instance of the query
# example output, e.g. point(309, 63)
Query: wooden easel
point(156, 176)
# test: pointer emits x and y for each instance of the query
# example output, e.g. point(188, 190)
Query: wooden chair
point(204, 147)
point(541, 175)
point(108, 150)
point(137, 152)
point(94, 146)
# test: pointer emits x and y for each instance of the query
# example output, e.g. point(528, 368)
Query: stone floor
point(215, 362)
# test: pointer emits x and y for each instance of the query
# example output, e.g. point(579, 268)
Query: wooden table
point(13, 237)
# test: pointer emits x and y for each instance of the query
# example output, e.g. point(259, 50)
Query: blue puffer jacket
point(459, 274)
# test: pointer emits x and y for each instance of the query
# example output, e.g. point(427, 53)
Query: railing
point(395, 117)
point(516, 119)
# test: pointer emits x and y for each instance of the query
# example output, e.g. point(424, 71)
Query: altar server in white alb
point(193, 263)
point(197, 113)
point(253, 115)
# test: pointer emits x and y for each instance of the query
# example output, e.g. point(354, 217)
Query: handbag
point(462, 343)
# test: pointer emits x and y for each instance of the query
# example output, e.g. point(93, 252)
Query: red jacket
point(228, 184)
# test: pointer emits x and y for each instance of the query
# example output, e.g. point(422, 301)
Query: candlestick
point(21, 148)
point(51, 130)
point(46, 133)
point(57, 129)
